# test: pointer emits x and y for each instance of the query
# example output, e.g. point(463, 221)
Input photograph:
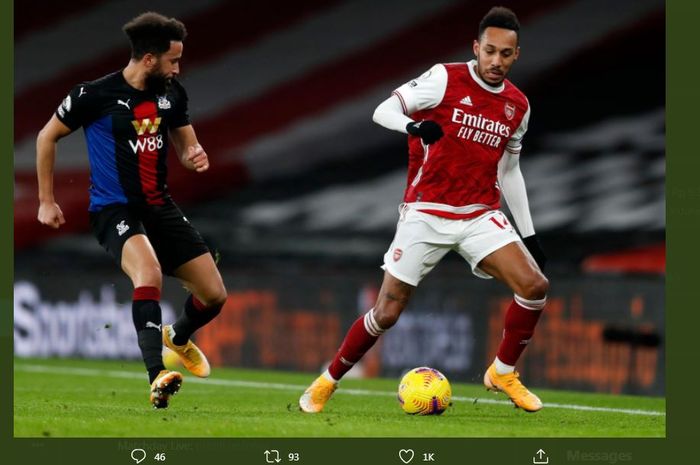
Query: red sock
point(197, 304)
point(362, 335)
point(146, 293)
point(521, 319)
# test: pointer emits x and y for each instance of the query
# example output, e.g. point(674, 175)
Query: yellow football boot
point(513, 388)
point(316, 396)
point(192, 357)
point(166, 384)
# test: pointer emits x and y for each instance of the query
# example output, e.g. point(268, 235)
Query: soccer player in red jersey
point(465, 123)
point(128, 117)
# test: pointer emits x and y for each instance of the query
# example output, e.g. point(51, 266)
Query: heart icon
point(406, 455)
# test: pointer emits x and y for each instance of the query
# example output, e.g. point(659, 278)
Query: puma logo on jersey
point(122, 228)
point(150, 324)
point(466, 101)
point(126, 104)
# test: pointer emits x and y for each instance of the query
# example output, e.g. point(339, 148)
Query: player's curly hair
point(152, 32)
point(500, 16)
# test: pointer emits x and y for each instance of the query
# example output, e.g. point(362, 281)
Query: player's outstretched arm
point(191, 154)
point(50, 213)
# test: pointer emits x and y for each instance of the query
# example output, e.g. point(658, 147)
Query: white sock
point(328, 376)
point(502, 368)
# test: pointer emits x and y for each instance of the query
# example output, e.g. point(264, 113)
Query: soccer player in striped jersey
point(465, 123)
point(128, 117)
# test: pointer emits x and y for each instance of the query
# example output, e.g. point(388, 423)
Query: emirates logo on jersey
point(509, 110)
point(397, 254)
point(479, 128)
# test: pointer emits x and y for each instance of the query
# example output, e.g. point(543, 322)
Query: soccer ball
point(424, 391)
point(171, 360)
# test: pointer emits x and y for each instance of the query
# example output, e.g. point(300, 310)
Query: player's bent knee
point(219, 299)
point(386, 316)
point(536, 288)
point(214, 298)
point(151, 276)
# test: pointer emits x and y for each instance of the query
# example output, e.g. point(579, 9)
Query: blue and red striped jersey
point(126, 131)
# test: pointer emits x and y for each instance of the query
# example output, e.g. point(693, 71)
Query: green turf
point(78, 398)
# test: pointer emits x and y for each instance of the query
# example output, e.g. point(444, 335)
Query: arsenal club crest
point(397, 254)
point(510, 110)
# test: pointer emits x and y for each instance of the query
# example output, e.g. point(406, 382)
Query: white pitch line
point(297, 387)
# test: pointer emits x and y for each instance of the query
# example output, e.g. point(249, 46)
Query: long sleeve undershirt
point(390, 114)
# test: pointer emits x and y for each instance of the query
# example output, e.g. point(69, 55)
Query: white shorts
point(422, 240)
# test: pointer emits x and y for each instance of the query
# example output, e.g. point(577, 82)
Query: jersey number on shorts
point(499, 224)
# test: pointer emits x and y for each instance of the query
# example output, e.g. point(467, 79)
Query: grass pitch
point(79, 398)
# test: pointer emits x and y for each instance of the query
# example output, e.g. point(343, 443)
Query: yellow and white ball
point(424, 391)
point(171, 360)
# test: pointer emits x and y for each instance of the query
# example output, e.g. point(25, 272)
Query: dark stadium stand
point(284, 109)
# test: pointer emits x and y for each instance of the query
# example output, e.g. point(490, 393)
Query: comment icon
point(138, 455)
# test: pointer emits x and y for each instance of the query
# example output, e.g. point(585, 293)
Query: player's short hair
point(502, 17)
point(152, 32)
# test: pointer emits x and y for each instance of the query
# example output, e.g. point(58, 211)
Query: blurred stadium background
point(301, 201)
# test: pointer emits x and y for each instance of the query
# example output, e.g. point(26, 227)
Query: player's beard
point(157, 82)
point(482, 74)
point(499, 80)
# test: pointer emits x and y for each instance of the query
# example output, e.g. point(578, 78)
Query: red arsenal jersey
point(456, 177)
